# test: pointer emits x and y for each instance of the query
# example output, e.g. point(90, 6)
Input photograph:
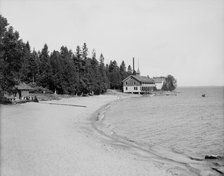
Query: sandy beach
point(48, 139)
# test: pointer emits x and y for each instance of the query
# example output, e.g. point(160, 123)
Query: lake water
point(182, 129)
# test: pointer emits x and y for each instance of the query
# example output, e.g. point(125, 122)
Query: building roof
point(143, 79)
point(139, 78)
point(158, 79)
point(23, 86)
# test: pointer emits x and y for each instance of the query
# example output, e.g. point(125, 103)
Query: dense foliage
point(170, 83)
point(63, 71)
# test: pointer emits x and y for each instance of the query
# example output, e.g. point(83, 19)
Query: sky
point(183, 38)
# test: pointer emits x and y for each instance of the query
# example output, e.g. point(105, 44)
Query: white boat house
point(138, 84)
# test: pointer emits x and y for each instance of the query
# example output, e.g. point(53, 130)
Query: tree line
point(64, 71)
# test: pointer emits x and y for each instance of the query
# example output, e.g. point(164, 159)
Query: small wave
point(196, 159)
point(218, 170)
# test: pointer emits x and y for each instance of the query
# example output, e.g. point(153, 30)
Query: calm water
point(186, 124)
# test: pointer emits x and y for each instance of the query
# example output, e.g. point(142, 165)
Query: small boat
point(212, 157)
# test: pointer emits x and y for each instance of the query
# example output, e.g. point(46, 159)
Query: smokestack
point(133, 64)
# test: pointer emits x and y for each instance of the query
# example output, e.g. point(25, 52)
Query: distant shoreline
point(199, 86)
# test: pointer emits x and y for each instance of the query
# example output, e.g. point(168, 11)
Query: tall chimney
point(133, 64)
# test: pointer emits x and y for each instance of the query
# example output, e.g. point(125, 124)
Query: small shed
point(22, 91)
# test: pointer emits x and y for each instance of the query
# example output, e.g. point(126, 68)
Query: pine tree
point(11, 54)
point(84, 51)
point(104, 79)
point(25, 72)
point(4, 82)
point(123, 71)
point(129, 70)
point(33, 66)
point(45, 70)
point(78, 52)
point(114, 75)
point(95, 74)
point(57, 72)
point(69, 82)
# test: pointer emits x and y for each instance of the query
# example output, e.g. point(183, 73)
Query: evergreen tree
point(129, 70)
point(95, 74)
point(69, 82)
point(114, 75)
point(57, 72)
point(4, 81)
point(78, 52)
point(84, 51)
point(123, 71)
point(25, 72)
point(11, 54)
point(33, 66)
point(104, 79)
point(45, 70)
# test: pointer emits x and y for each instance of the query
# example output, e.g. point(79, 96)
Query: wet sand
point(47, 139)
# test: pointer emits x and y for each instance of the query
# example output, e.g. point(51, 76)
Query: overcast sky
point(184, 38)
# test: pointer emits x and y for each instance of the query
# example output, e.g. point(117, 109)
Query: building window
point(135, 88)
point(126, 88)
point(134, 83)
point(126, 83)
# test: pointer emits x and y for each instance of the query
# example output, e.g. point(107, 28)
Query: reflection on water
point(184, 125)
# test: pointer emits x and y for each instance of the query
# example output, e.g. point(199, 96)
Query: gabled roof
point(23, 86)
point(126, 78)
point(140, 79)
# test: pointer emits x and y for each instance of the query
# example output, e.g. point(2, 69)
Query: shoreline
point(194, 166)
point(82, 147)
point(97, 123)
point(43, 139)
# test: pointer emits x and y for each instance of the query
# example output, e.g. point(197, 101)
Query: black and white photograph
point(111, 87)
